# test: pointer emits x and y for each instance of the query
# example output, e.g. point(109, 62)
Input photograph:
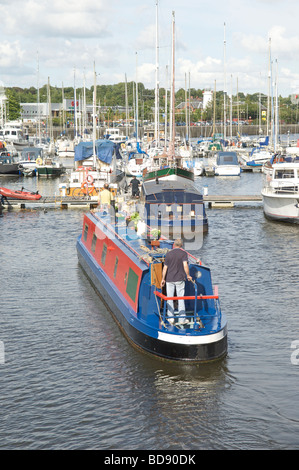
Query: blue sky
point(66, 38)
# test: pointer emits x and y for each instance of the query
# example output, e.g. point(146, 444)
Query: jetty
point(229, 201)
point(66, 202)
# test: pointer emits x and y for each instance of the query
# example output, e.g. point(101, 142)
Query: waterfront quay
point(196, 131)
point(66, 202)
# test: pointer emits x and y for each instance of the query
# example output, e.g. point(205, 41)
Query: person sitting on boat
point(134, 183)
point(104, 199)
point(174, 273)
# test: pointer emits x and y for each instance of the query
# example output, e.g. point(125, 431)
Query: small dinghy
point(19, 194)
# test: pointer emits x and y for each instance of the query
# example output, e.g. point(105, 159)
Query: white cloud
point(55, 18)
point(10, 53)
point(74, 34)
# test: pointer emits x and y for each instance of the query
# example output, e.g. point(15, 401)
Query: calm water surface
point(70, 380)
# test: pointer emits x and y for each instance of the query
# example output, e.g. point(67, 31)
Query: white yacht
point(227, 164)
point(13, 134)
point(66, 148)
point(137, 165)
point(281, 192)
point(113, 133)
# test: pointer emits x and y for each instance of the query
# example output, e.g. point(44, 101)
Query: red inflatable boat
point(9, 193)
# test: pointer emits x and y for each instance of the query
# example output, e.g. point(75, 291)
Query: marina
point(149, 270)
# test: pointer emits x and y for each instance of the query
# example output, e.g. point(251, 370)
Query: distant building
point(35, 111)
point(207, 98)
point(194, 104)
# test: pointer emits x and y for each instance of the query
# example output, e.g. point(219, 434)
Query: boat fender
point(39, 161)
point(86, 188)
point(89, 179)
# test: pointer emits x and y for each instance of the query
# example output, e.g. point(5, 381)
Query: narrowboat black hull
point(166, 350)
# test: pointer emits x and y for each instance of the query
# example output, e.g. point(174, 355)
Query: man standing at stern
point(174, 274)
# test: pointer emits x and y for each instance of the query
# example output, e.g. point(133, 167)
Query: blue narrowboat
point(126, 271)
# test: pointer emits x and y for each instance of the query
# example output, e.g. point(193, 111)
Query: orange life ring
point(89, 179)
point(86, 188)
point(80, 168)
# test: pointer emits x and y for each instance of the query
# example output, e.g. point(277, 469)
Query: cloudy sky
point(64, 38)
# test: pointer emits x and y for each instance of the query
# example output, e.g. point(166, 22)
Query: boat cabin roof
point(227, 158)
point(160, 191)
point(31, 151)
point(286, 164)
point(127, 239)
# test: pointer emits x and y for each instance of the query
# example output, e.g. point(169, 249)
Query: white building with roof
point(207, 98)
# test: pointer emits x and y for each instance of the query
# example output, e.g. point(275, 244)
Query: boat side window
point(94, 242)
point(104, 253)
point(132, 284)
point(85, 232)
point(282, 174)
point(115, 267)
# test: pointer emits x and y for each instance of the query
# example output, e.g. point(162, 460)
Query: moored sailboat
point(169, 164)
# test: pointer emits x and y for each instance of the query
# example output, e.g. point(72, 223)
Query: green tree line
point(246, 107)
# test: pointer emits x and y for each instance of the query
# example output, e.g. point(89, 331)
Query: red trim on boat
point(120, 268)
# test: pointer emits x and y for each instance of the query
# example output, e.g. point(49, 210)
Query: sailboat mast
point(224, 91)
point(166, 92)
point(84, 105)
point(214, 110)
point(126, 97)
point(63, 114)
point(157, 124)
point(173, 90)
point(276, 108)
point(50, 111)
point(231, 107)
point(38, 103)
point(94, 114)
point(186, 111)
point(269, 87)
point(137, 134)
point(272, 105)
point(75, 106)
point(189, 112)
point(238, 106)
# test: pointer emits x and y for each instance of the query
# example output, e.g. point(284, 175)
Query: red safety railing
point(195, 297)
point(186, 297)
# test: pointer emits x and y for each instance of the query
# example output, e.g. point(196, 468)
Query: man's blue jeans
point(179, 286)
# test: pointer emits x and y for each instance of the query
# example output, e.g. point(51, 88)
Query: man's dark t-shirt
point(174, 262)
point(135, 183)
